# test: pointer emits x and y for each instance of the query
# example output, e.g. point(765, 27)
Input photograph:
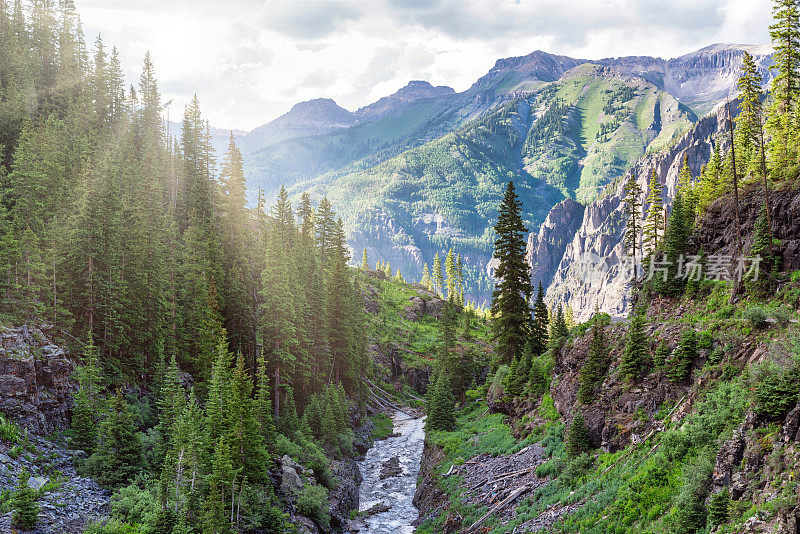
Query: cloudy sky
point(250, 60)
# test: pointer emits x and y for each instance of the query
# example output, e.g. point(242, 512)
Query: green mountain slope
point(566, 139)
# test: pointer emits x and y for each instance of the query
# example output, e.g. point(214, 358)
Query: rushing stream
point(397, 488)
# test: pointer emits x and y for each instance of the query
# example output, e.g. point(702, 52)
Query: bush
point(576, 469)
point(312, 502)
point(136, 503)
point(9, 432)
point(756, 316)
point(775, 383)
point(690, 509)
point(496, 386)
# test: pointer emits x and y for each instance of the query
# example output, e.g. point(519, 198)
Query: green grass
point(383, 426)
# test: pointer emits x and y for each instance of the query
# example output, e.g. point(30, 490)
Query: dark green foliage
point(312, 502)
point(718, 507)
point(662, 353)
point(775, 383)
point(511, 323)
point(596, 366)
point(690, 509)
point(538, 377)
point(577, 439)
point(559, 331)
point(441, 404)
point(539, 325)
point(23, 503)
point(119, 454)
point(761, 251)
point(633, 216)
point(636, 355)
point(679, 363)
point(676, 237)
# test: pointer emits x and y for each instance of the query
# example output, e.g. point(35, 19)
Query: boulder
point(291, 483)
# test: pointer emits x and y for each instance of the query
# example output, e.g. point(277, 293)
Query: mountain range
point(421, 171)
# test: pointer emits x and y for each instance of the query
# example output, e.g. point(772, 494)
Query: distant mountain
point(422, 170)
point(414, 91)
point(306, 119)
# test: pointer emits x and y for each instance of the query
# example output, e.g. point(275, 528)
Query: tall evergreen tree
point(633, 203)
point(653, 226)
point(511, 323)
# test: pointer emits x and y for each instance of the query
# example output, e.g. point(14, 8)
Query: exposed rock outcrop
point(591, 271)
point(546, 248)
point(35, 380)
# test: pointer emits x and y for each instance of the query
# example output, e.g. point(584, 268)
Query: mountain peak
point(414, 90)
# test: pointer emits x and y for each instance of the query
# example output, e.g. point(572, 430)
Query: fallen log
point(505, 502)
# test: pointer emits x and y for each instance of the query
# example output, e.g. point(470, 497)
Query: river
point(397, 491)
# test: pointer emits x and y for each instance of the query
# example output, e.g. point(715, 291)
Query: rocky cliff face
point(35, 380)
point(415, 90)
point(546, 248)
point(592, 269)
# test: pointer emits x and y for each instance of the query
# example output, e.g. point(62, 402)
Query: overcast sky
point(250, 60)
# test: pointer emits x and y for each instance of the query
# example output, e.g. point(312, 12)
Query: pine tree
point(633, 203)
point(216, 511)
point(511, 323)
point(653, 225)
point(364, 261)
point(577, 440)
point(688, 194)
point(596, 366)
point(245, 437)
point(23, 503)
point(781, 122)
point(718, 505)
point(441, 404)
point(559, 328)
point(438, 277)
point(635, 357)
point(120, 452)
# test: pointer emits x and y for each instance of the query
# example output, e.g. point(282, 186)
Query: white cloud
point(250, 60)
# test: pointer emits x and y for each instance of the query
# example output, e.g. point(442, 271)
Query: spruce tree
point(119, 456)
point(632, 197)
point(680, 361)
point(441, 404)
point(577, 440)
point(596, 366)
point(781, 122)
point(653, 224)
point(438, 277)
point(748, 121)
point(761, 252)
point(364, 260)
point(635, 356)
point(452, 277)
point(675, 244)
point(718, 505)
point(25, 511)
point(511, 315)
point(539, 325)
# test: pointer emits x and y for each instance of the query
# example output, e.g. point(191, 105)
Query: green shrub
point(9, 432)
point(136, 502)
point(775, 383)
point(382, 426)
point(114, 526)
point(576, 469)
point(662, 353)
point(681, 359)
point(312, 502)
point(756, 316)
